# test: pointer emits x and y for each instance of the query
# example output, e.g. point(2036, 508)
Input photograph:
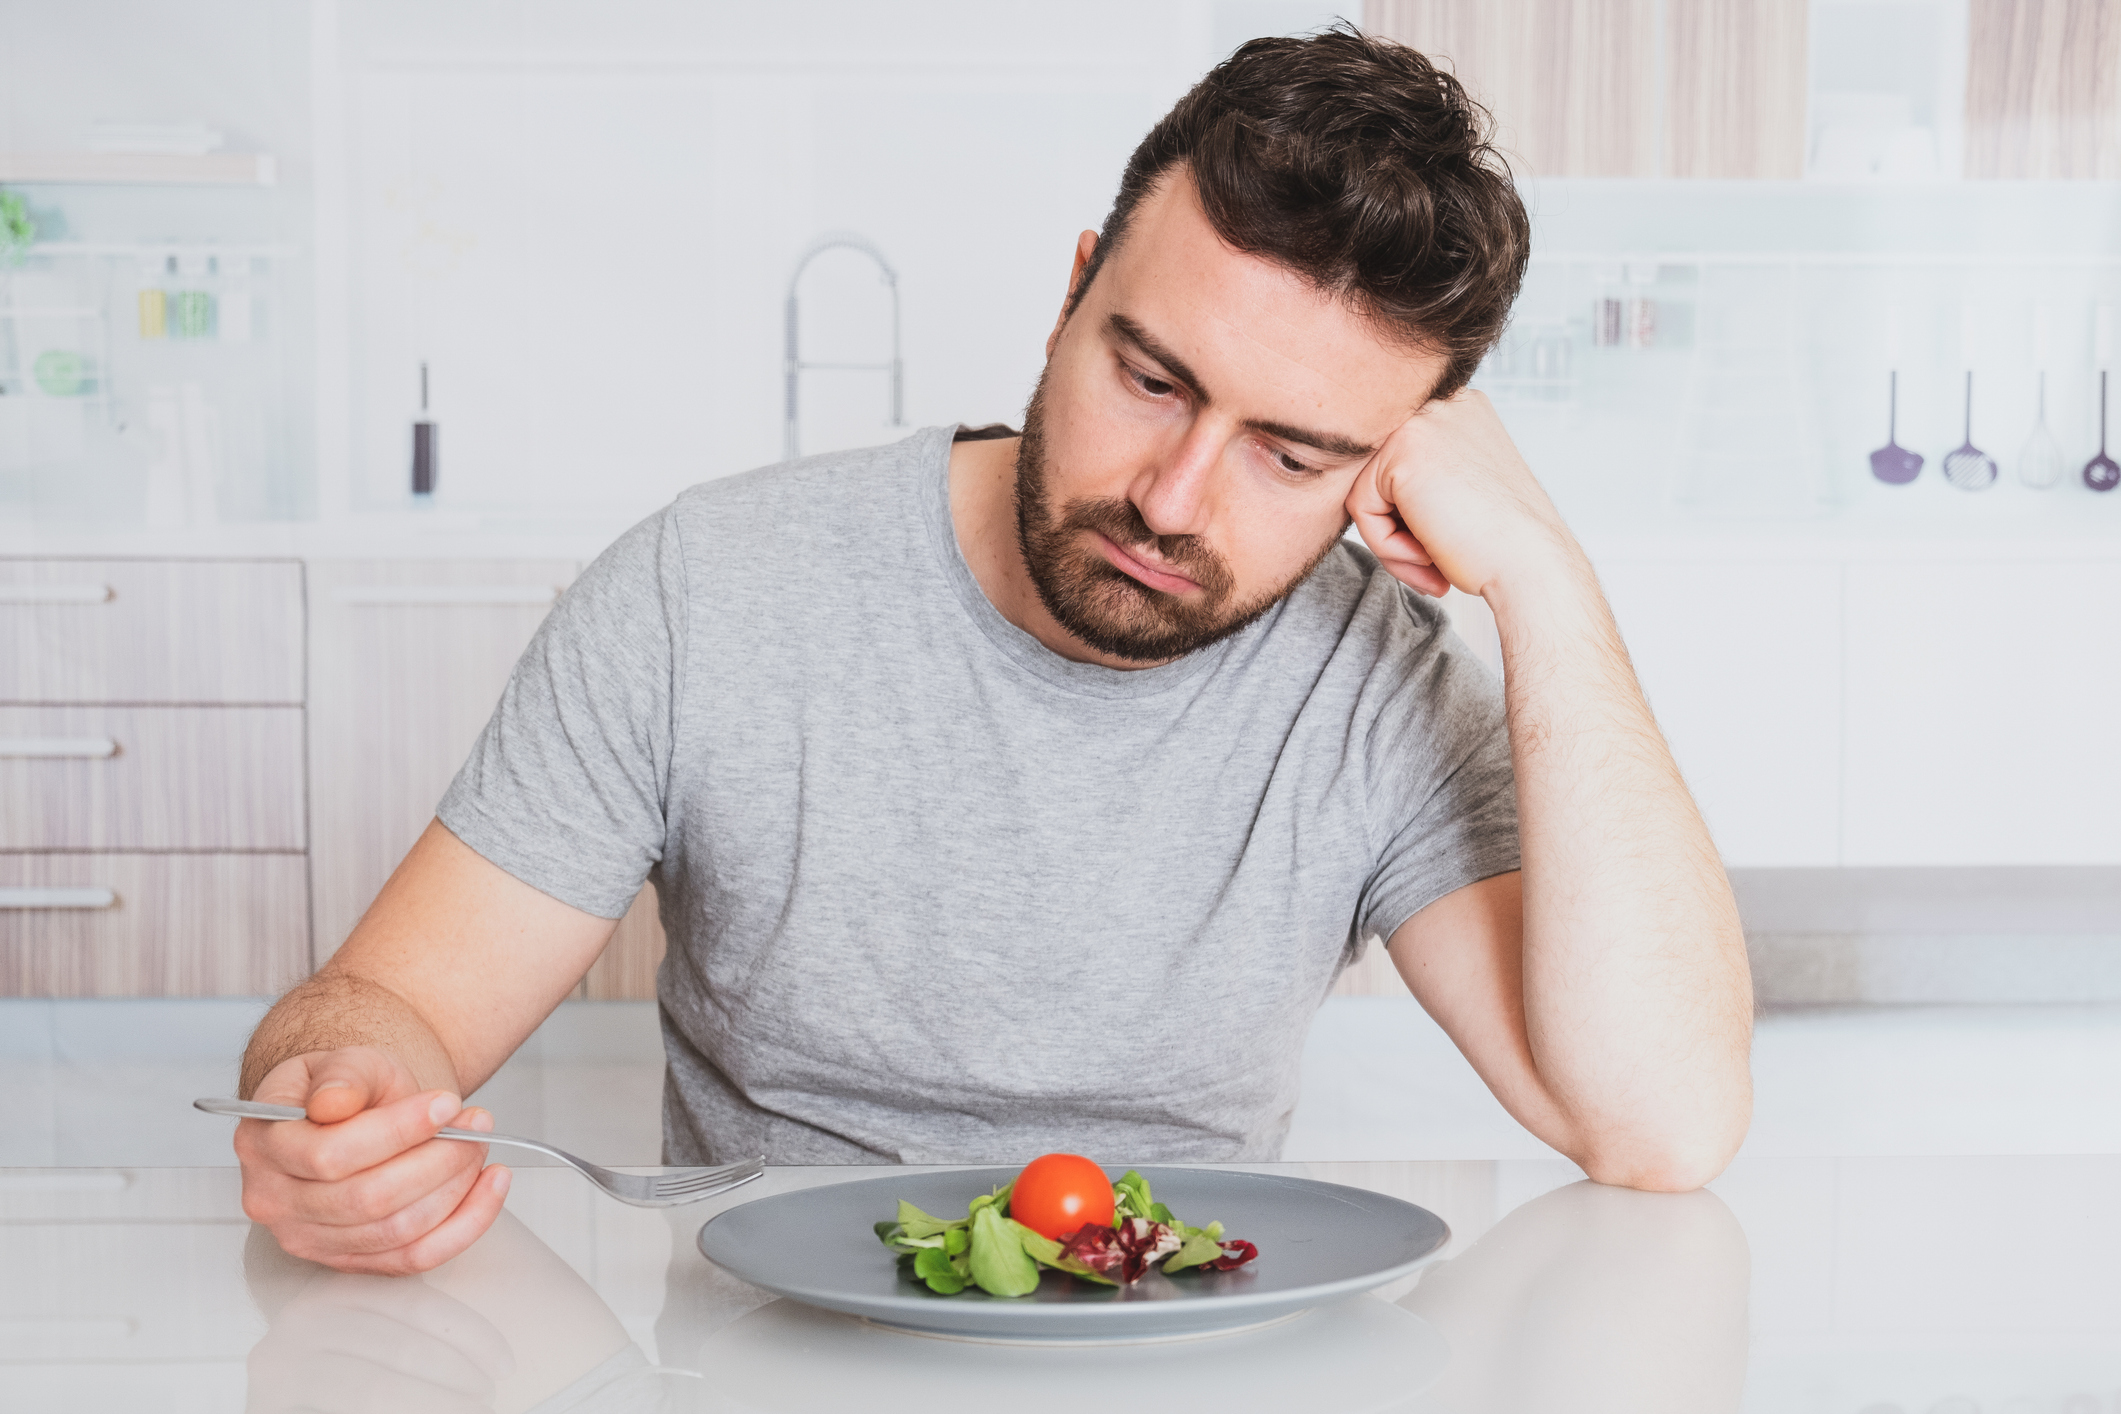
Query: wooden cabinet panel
point(164, 631)
point(1585, 88)
point(175, 925)
point(1735, 88)
point(407, 659)
point(1981, 703)
point(1572, 83)
point(2043, 89)
point(1742, 665)
point(185, 778)
point(626, 971)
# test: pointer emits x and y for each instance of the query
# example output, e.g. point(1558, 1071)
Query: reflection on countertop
point(1549, 1309)
point(1832, 1285)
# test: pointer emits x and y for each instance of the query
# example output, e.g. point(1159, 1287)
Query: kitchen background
point(249, 249)
point(261, 251)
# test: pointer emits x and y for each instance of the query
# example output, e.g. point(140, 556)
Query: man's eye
point(1154, 387)
point(1291, 464)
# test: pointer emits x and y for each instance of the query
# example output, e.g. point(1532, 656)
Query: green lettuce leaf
point(1130, 1195)
point(920, 1224)
point(933, 1266)
point(1040, 1247)
point(1200, 1245)
point(999, 1262)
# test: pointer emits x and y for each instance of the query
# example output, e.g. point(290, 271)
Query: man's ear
point(1085, 247)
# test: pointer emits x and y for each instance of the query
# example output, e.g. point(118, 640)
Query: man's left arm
point(1603, 994)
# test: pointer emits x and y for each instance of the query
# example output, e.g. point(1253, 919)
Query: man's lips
point(1148, 574)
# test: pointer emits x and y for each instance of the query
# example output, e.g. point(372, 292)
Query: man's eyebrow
point(1331, 443)
point(1130, 332)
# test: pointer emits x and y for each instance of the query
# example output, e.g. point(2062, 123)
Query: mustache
point(1120, 521)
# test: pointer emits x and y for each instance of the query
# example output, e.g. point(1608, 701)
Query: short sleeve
point(567, 785)
point(1442, 794)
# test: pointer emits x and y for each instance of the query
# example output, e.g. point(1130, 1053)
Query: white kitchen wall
point(584, 218)
point(238, 67)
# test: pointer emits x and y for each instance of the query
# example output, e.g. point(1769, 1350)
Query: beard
point(1093, 598)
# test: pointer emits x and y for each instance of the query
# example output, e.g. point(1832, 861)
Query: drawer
point(152, 925)
point(194, 778)
point(151, 631)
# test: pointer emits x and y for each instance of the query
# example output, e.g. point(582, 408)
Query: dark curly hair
point(1360, 165)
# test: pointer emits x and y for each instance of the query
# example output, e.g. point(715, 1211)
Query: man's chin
point(1120, 616)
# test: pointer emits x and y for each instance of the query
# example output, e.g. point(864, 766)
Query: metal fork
point(664, 1190)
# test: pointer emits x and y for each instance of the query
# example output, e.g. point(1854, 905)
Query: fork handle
point(252, 1109)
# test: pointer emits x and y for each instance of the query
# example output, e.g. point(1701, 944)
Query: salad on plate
point(1063, 1214)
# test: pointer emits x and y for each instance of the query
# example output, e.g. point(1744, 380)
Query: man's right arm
point(449, 971)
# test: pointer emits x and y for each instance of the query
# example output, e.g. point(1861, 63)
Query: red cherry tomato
point(1057, 1193)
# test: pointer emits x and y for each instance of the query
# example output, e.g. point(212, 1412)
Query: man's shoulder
point(813, 494)
point(1351, 601)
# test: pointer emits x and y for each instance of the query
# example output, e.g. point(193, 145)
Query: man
point(1012, 794)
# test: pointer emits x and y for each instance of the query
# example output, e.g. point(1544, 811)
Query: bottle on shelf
point(1608, 309)
point(423, 446)
point(191, 309)
point(1639, 312)
point(153, 298)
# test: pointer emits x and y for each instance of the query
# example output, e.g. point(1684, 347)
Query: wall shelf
point(154, 250)
point(215, 169)
point(1866, 258)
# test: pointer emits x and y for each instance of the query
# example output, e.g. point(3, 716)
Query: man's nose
point(1172, 492)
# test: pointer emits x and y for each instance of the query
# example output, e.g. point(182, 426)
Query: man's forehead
point(1252, 322)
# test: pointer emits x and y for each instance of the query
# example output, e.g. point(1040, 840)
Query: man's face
point(1189, 450)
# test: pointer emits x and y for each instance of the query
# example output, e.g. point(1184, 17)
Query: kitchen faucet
point(792, 363)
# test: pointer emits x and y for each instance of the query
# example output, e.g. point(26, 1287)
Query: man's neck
point(983, 511)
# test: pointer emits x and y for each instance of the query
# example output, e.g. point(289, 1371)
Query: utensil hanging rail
point(792, 363)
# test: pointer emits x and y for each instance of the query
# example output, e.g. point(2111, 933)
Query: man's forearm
point(1638, 1001)
point(337, 1009)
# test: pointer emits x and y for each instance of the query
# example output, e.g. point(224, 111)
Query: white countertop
point(398, 536)
point(474, 537)
point(1829, 1285)
point(2091, 529)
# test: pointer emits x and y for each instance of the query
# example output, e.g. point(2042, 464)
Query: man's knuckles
point(385, 1195)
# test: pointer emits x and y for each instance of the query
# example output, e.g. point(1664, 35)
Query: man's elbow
point(1664, 1165)
point(1661, 1173)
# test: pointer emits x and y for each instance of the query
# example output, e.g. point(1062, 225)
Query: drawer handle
point(57, 898)
point(83, 747)
point(395, 595)
point(55, 594)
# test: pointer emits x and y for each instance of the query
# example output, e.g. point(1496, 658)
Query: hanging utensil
point(2101, 472)
point(1969, 468)
point(1892, 463)
point(2040, 465)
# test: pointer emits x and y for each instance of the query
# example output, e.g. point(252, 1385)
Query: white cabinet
point(1982, 701)
point(1741, 661)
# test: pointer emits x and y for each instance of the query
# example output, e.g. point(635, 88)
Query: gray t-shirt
point(935, 894)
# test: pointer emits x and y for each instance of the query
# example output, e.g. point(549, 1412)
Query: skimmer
point(1969, 468)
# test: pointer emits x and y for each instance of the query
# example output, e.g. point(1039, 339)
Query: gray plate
point(1316, 1241)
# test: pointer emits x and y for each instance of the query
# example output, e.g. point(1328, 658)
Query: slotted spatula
point(1969, 468)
